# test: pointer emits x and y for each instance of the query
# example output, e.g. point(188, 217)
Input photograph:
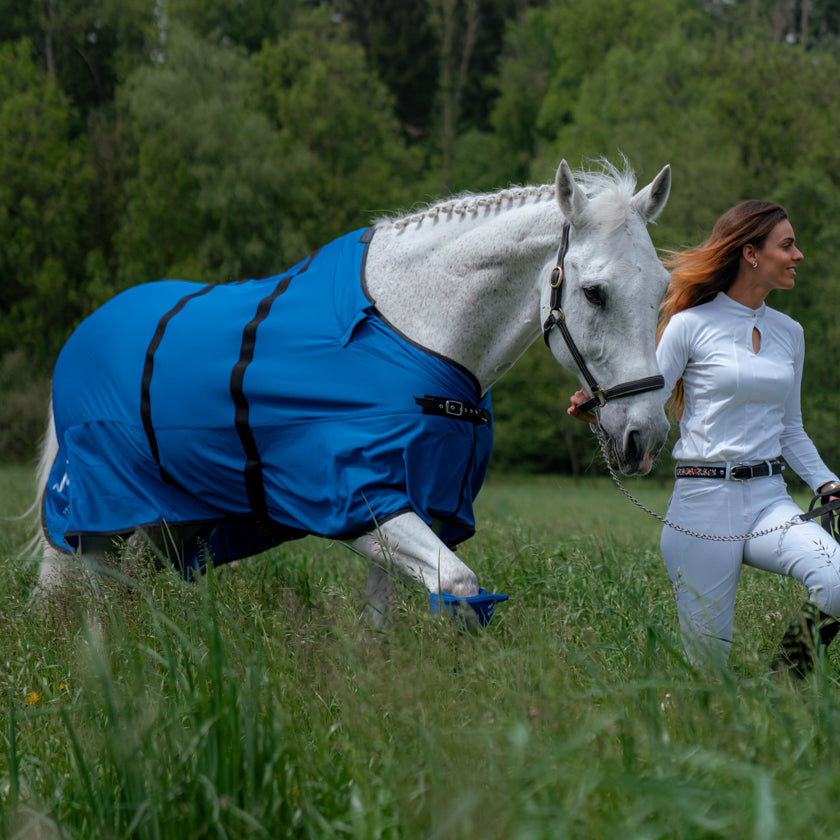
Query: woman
point(735, 368)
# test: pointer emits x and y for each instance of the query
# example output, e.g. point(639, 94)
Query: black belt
point(456, 409)
point(740, 472)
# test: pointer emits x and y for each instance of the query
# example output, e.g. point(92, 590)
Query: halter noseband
point(557, 318)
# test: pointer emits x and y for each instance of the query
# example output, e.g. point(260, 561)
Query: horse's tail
point(48, 452)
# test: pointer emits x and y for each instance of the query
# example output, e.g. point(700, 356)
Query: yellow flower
point(33, 698)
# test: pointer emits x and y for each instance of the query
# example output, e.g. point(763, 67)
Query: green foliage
point(624, 107)
point(334, 121)
point(245, 166)
point(86, 46)
point(399, 44)
point(203, 200)
point(43, 201)
point(231, 22)
point(24, 397)
point(531, 429)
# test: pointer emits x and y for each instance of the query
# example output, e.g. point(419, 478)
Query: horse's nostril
point(634, 447)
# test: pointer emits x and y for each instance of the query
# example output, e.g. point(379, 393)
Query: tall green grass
point(254, 704)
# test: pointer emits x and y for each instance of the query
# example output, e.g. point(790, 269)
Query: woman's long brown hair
point(698, 274)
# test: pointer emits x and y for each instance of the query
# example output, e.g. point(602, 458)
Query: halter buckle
point(556, 277)
point(559, 315)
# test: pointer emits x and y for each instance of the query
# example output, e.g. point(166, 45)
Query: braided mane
point(470, 203)
point(610, 190)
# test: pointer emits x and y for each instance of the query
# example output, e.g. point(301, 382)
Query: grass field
point(252, 704)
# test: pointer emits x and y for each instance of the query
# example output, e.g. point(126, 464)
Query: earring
point(755, 264)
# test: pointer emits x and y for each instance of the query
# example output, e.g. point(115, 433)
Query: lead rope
point(604, 442)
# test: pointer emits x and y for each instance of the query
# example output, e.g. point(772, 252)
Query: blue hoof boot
point(477, 608)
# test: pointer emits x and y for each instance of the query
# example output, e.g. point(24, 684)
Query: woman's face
point(777, 258)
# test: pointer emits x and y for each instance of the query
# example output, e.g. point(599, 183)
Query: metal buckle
point(739, 465)
point(751, 470)
point(454, 408)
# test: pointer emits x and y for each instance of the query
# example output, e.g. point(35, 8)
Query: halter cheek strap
point(557, 318)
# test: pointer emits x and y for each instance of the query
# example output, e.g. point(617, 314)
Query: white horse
point(471, 281)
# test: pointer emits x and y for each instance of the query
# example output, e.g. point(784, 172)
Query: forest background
point(216, 140)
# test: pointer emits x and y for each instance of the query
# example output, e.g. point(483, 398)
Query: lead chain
point(604, 442)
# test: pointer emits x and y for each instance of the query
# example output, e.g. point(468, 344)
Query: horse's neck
point(467, 288)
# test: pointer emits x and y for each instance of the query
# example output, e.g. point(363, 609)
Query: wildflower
point(33, 698)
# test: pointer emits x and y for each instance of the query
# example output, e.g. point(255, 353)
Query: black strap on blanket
point(253, 470)
point(146, 380)
point(457, 409)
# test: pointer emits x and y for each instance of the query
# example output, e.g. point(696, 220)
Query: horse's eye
point(594, 295)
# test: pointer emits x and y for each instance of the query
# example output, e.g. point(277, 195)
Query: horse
point(349, 397)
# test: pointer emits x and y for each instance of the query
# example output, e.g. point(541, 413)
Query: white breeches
point(705, 573)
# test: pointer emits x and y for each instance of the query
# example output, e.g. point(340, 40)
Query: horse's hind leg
point(406, 547)
point(62, 574)
point(53, 573)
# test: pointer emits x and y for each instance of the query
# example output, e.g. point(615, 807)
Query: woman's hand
point(579, 398)
point(830, 488)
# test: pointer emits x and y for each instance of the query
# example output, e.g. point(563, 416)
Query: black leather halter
point(557, 318)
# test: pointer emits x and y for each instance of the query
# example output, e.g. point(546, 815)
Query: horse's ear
point(648, 202)
point(570, 196)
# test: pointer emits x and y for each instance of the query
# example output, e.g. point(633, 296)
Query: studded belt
point(734, 472)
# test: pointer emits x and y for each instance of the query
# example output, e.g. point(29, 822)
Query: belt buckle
point(454, 408)
point(737, 466)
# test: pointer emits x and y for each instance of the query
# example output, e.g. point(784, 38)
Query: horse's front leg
point(406, 547)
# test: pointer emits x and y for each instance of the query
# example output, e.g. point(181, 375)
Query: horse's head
point(611, 287)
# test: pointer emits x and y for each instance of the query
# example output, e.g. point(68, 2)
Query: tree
point(650, 107)
point(244, 165)
point(231, 22)
point(522, 81)
point(551, 53)
point(401, 48)
point(210, 177)
point(88, 46)
point(779, 104)
point(44, 185)
point(334, 118)
point(532, 431)
point(807, 23)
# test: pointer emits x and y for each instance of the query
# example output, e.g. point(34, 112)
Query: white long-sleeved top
point(740, 406)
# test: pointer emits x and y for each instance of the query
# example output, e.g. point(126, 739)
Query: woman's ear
point(749, 252)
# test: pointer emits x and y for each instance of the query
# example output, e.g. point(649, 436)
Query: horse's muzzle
point(632, 446)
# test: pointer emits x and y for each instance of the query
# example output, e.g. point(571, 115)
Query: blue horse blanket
point(258, 411)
